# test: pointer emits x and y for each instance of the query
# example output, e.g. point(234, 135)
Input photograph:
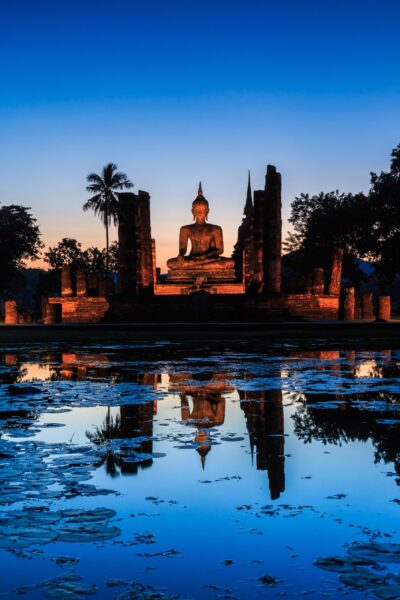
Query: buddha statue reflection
point(206, 242)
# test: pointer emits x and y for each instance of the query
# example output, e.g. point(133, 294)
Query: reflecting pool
point(162, 471)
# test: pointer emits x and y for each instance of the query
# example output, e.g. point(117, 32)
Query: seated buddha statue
point(206, 241)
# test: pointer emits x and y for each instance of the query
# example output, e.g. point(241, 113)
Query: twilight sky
point(176, 91)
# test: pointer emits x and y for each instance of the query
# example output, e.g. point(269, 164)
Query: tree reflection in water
point(342, 417)
point(332, 417)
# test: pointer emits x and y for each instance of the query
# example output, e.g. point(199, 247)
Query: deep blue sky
point(178, 91)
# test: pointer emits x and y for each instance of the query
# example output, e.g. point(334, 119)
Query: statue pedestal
point(210, 275)
point(189, 281)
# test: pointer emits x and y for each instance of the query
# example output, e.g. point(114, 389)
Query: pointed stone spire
point(203, 447)
point(200, 190)
point(248, 207)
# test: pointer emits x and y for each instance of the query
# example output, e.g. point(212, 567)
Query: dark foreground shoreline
point(366, 332)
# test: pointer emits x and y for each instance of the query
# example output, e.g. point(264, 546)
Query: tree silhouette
point(367, 226)
point(67, 252)
point(104, 202)
point(20, 240)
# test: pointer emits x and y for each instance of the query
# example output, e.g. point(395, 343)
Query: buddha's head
point(200, 207)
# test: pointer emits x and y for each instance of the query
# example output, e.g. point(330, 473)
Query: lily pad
point(21, 537)
point(88, 532)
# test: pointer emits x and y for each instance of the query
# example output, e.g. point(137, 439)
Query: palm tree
point(105, 199)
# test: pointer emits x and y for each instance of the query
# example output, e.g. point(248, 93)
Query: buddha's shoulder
point(214, 227)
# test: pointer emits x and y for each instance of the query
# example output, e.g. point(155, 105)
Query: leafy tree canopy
point(69, 252)
point(20, 240)
point(366, 226)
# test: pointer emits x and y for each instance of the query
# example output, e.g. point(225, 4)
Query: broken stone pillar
point(258, 233)
point(318, 281)
point(248, 259)
point(110, 286)
point(367, 306)
point(272, 253)
point(105, 285)
point(66, 281)
point(154, 262)
point(92, 284)
point(308, 283)
point(81, 283)
point(10, 312)
point(50, 315)
point(357, 306)
point(127, 244)
point(144, 244)
point(336, 272)
point(348, 304)
point(384, 308)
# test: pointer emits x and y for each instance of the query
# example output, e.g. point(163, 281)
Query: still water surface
point(223, 473)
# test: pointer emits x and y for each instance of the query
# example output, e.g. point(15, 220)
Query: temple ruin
point(202, 284)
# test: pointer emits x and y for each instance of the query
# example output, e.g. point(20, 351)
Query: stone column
point(145, 249)
point(272, 255)
point(127, 244)
point(348, 304)
point(336, 272)
point(308, 283)
point(66, 281)
point(103, 289)
point(109, 286)
point(10, 312)
point(384, 308)
point(153, 258)
point(92, 284)
point(318, 281)
point(357, 306)
point(258, 232)
point(367, 307)
point(50, 315)
point(81, 283)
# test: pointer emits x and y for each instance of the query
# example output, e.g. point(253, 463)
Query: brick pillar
point(10, 312)
point(367, 306)
point(103, 285)
point(308, 283)
point(384, 308)
point(109, 286)
point(50, 315)
point(153, 258)
point(81, 283)
point(318, 281)
point(336, 272)
point(248, 257)
point(127, 244)
point(258, 233)
point(66, 281)
point(357, 306)
point(272, 255)
point(348, 304)
point(145, 248)
point(92, 284)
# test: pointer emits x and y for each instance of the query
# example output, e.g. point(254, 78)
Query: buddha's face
point(200, 212)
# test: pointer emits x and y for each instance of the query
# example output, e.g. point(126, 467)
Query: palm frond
point(92, 203)
point(94, 187)
point(94, 178)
